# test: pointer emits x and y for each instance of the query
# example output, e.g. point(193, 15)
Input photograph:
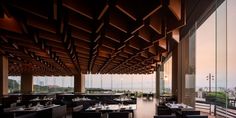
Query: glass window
point(106, 82)
point(231, 53)
point(121, 82)
point(53, 84)
point(167, 79)
point(14, 83)
point(215, 61)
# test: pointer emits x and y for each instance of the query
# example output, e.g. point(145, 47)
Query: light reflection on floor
point(145, 108)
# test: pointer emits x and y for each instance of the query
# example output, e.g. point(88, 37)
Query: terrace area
point(117, 59)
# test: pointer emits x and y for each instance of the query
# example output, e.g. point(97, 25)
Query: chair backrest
point(1, 109)
point(118, 115)
point(12, 105)
point(13, 108)
point(165, 116)
point(77, 108)
point(196, 116)
point(185, 113)
point(88, 115)
point(59, 112)
point(55, 112)
point(28, 115)
point(163, 110)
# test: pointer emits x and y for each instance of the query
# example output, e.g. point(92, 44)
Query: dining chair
point(118, 115)
point(59, 112)
point(185, 113)
point(76, 110)
point(164, 116)
point(28, 115)
point(181, 114)
point(163, 110)
point(196, 116)
point(89, 115)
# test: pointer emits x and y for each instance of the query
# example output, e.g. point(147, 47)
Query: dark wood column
point(79, 81)
point(3, 75)
point(175, 71)
point(157, 82)
point(26, 83)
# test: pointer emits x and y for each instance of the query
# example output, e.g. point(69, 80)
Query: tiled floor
point(145, 108)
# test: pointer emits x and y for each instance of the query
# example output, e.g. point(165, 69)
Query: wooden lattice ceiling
point(66, 37)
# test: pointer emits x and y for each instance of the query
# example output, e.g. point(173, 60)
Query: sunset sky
point(206, 48)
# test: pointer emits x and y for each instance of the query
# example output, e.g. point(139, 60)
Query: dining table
point(179, 106)
point(36, 108)
point(112, 107)
point(122, 99)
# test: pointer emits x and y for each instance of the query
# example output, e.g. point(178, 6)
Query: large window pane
point(221, 57)
point(14, 83)
point(167, 79)
point(231, 53)
point(53, 84)
point(121, 82)
point(217, 87)
point(205, 63)
point(106, 82)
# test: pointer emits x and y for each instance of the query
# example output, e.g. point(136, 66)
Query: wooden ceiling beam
point(80, 7)
point(122, 63)
point(108, 44)
point(144, 54)
point(136, 26)
point(124, 55)
point(55, 9)
point(80, 23)
point(163, 43)
point(138, 53)
point(35, 57)
point(10, 24)
point(118, 21)
point(42, 24)
point(176, 35)
point(126, 11)
point(143, 68)
point(134, 44)
point(175, 7)
point(100, 26)
point(34, 8)
point(158, 7)
point(152, 50)
point(155, 22)
point(48, 36)
point(145, 34)
point(111, 38)
point(96, 41)
point(98, 36)
point(104, 10)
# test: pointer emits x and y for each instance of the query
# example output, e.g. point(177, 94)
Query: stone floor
point(146, 109)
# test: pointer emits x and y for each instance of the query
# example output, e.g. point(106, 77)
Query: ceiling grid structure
point(67, 37)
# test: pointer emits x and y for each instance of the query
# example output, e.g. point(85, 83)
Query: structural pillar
point(3, 75)
point(182, 62)
point(186, 71)
point(79, 83)
point(157, 82)
point(175, 71)
point(26, 83)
